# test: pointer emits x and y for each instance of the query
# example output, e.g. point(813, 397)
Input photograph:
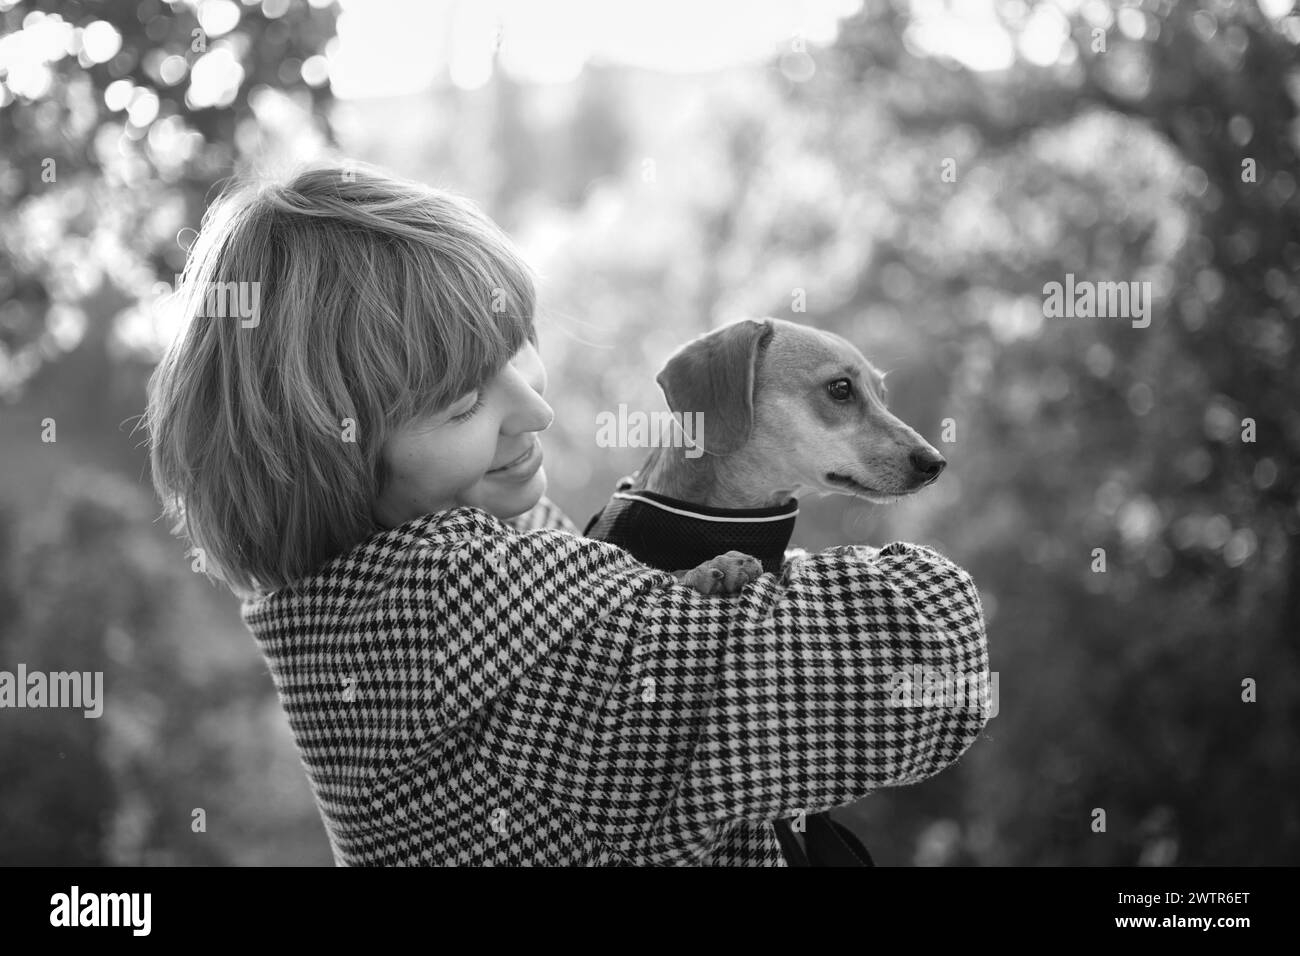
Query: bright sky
point(389, 47)
point(392, 47)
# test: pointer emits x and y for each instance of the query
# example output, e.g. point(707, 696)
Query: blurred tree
point(182, 728)
point(116, 120)
point(596, 145)
point(514, 148)
point(1121, 690)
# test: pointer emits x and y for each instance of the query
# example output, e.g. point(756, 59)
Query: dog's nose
point(928, 463)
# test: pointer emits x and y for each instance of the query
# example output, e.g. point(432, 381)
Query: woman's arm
point(653, 713)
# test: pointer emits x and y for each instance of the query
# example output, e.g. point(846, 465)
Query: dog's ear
point(714, 375)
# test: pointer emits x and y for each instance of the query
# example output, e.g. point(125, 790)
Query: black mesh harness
point(675, 535)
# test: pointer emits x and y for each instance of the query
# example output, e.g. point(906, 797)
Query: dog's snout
point(928, 463)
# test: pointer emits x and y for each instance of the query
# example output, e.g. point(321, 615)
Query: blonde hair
point(377, 300)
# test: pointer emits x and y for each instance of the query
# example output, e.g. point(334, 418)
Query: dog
point(787, 411)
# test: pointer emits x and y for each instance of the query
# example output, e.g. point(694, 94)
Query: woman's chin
point(511, 500)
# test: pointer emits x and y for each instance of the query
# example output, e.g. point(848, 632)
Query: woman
point(468, 680)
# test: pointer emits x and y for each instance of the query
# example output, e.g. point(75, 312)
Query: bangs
point(466, 345)
point(463, 317)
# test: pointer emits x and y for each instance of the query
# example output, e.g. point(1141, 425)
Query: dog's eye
point(841, 389)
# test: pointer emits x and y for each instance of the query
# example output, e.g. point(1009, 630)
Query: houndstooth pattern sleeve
point(657, 717)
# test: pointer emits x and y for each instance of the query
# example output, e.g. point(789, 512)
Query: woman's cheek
point(476, 449)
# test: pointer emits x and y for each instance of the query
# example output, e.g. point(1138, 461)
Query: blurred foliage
point(121, 118)
point(183, 765)
point(655, 208)
point(1122, 690)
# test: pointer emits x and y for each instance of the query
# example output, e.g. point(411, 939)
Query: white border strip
point(630, 496)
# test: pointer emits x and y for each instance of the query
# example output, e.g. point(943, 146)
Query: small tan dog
point(787, 411)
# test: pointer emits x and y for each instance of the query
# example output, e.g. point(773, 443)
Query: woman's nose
point(534, 414)
point(549, 417)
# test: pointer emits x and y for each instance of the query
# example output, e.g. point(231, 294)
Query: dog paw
point(726, 574)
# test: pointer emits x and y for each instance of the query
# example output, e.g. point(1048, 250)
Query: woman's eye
point(465, 415)
point(841, 389)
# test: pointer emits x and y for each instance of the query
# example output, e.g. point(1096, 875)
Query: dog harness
point(676, 535)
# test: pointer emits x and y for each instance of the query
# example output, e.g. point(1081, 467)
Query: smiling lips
point(510, 464)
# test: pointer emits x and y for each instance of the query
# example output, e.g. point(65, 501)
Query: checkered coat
point(464, 690)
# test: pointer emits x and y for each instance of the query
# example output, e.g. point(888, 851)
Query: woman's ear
point(714, 376)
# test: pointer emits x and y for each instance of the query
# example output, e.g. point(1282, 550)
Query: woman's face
point(455, 457)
